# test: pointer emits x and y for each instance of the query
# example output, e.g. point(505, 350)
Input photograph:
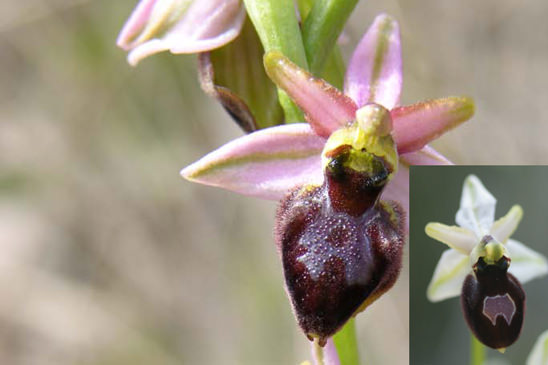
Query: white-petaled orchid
point(270, 162)
point(479, 235)
point(180, 26)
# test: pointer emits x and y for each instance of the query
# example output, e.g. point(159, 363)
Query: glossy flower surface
point(180, 26)
point(476, 220)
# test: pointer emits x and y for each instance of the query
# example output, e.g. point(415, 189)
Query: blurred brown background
point(109, 257)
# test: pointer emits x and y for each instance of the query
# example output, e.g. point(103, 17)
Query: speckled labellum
point(493, 300)
point(340, 245)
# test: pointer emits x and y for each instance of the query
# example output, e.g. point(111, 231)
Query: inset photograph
point(478, 265)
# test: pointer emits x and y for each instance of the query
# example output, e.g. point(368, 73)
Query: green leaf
point(304, 7)
point(322, 27)
point(234, 74)
point(347, 344)
point(278, 28)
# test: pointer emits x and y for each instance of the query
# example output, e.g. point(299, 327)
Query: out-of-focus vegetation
point(109, 257)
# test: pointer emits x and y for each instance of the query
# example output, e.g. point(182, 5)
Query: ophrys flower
point(341, 246)
point(485, 266)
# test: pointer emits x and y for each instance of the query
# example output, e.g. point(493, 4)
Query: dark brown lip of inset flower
point(493, 304)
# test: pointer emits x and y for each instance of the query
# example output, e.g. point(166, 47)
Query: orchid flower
point(270, 162)
point(341, 246)
point(476, 220)
point(485, 266)
point(180, 26)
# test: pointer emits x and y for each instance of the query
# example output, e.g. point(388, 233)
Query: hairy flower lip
point(198, 26)
point(353, 255)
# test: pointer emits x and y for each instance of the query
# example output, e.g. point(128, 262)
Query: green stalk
point(334, 69)
point(304, 7)
point(477, 351)
point(318, 353)
point(322, 27)
point(277, 26)
point(347, 344)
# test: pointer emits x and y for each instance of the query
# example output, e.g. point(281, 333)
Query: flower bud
point(180, 26)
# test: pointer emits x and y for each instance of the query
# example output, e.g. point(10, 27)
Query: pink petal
point(265, 164)
point(146, 49)
point(136, 22)
point(326, 108)
point(208, 24)
point(205, 25)
point(426, 156)
point(418, 124)
point(374, 72)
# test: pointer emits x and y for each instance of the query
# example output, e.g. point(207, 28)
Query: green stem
point(322, 27)
point(347, 344)
point(319, 353)
point(304, 7)
point(277, 26)
point(477, 351)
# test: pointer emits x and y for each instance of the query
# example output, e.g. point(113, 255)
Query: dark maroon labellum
point(338, 255)
point(493, 303)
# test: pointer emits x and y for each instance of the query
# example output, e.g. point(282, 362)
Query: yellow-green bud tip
point(277, 65)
